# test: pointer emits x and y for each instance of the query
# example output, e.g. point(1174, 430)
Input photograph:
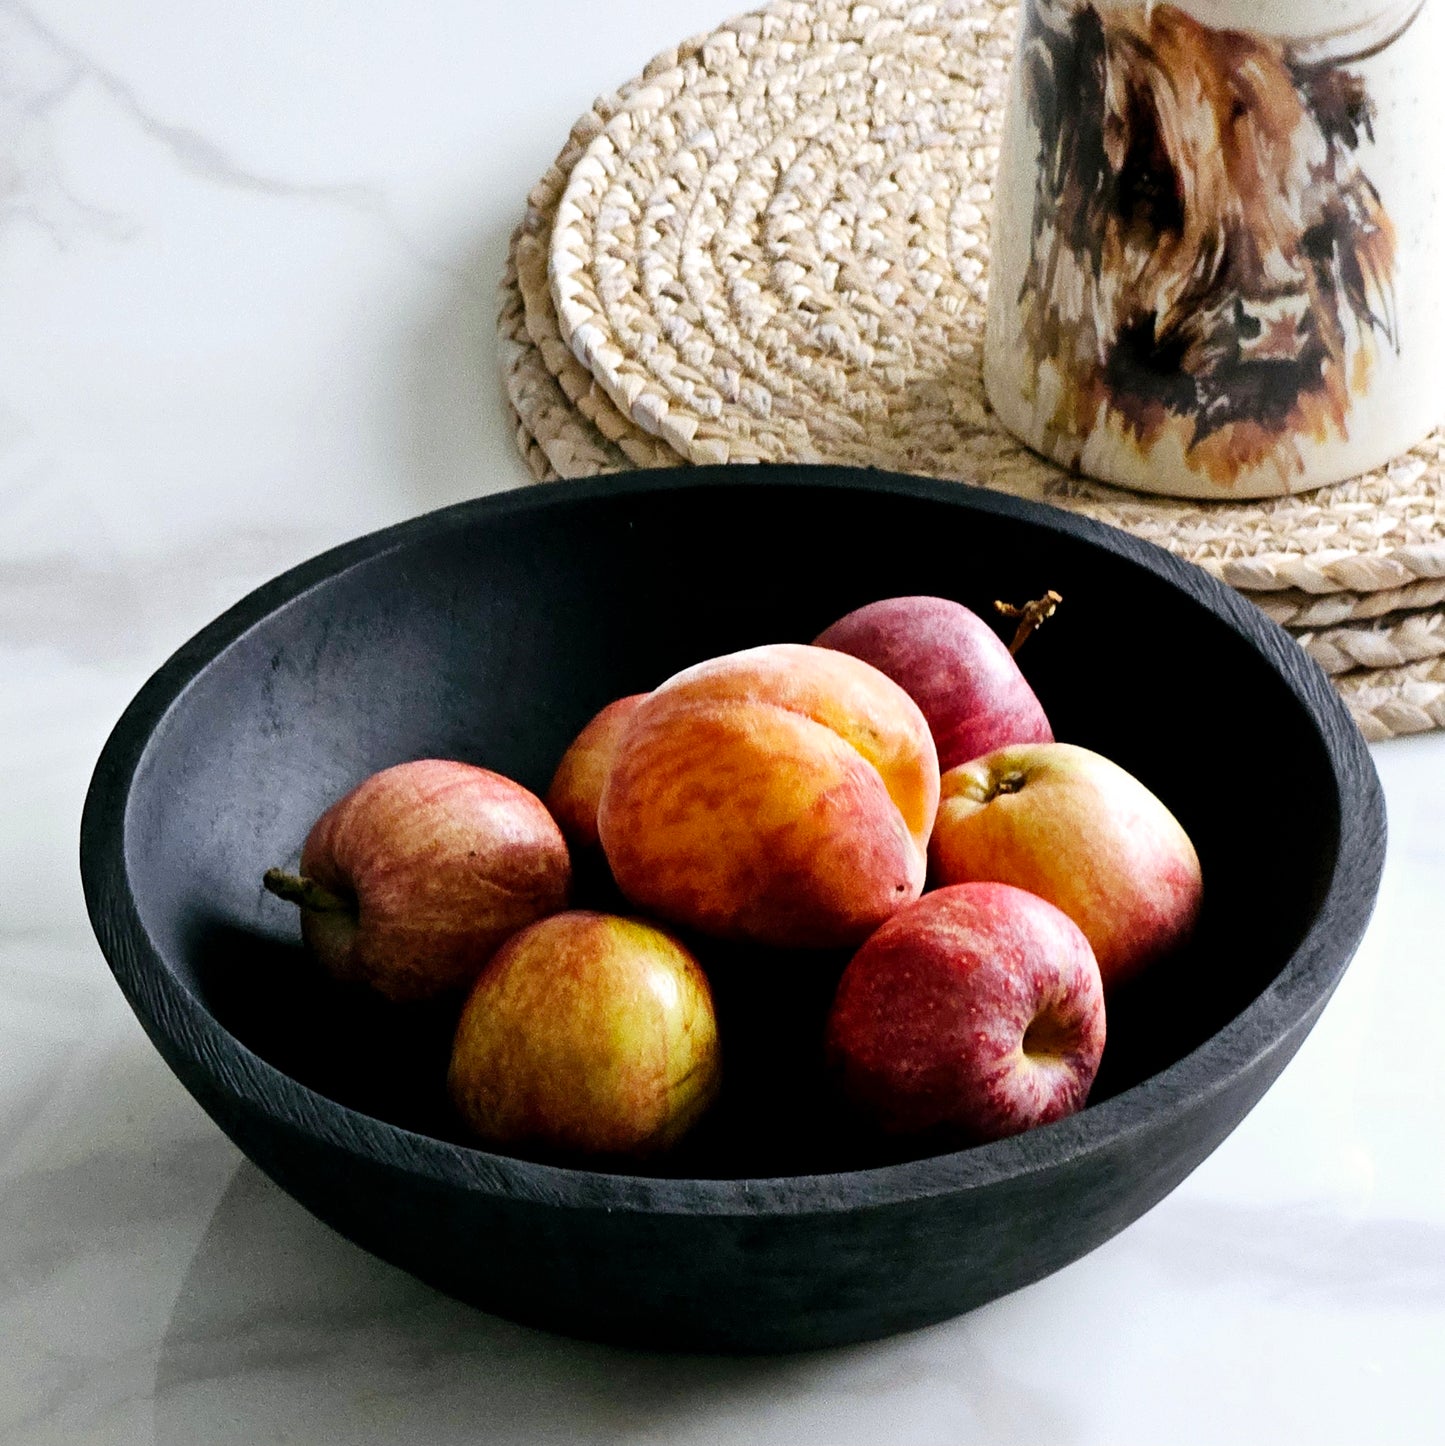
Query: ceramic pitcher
point(1219, 240)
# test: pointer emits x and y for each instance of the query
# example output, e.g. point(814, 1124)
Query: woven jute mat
point(543, 410)
point(773, 245)
point(1390, 702)
point(535, 458)
point(1391, 643)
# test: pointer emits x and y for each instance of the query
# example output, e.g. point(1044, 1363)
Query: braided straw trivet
point(544, 413)
point(776, 249)
point(1393, 643)
point(534, 457)
point(1390, 702)
point(595, 411)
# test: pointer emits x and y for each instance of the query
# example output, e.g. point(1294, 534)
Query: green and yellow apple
point(587, 1035)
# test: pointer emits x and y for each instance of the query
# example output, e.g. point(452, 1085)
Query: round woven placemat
point(1391, 643)
point(545, 415)
point(596, 417)
point(773, 245)
point(1391, 702)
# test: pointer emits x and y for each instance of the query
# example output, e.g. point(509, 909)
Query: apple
point(953, 665)
point(576, 788)
point(973, 1014)
point(411, 882)
point(1076, 829)
point(587, 1035)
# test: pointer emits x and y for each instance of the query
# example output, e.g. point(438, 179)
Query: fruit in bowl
point(784, 795)
point(411, 882)
point(587, 1035)
point(1073, 827)
point(974, 1014)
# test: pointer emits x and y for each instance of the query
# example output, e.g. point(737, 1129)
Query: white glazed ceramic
point(1219, 240)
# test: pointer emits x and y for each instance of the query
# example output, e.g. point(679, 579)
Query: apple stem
point(298, 889)
point(1009, 783)
point(1031, 616)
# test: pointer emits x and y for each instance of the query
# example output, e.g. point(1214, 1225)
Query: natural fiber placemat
point(544, 413)
point(773, 246)
point(1391, 643)
point(1391, 702)
point(596, 415)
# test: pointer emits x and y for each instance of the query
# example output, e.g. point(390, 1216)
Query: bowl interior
point(492, 634)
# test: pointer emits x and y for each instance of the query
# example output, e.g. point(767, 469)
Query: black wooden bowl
point(490, 632)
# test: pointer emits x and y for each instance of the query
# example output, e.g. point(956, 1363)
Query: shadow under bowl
point(491, 632)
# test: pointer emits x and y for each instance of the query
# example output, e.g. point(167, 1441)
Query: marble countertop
point(247, 267)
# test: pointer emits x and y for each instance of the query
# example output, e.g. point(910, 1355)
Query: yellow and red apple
point(576, 788)
point(1078, 830)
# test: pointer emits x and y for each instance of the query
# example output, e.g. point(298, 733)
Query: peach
point(783, 795)
point(576, 787)
point(587, 1035)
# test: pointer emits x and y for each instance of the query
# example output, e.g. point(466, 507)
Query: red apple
point(973, 1014)
point(577, 785)
point(587, 1034)
point(411, 882)
point(1076, 829)
point(953, 665)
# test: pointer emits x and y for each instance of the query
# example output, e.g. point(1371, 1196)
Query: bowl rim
point(191, 1039)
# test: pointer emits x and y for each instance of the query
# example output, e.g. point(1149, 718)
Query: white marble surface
point(247, 257)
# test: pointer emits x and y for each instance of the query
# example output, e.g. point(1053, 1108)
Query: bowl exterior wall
point(738, 1283)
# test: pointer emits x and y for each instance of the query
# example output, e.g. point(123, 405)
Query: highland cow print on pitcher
point(1217, 256)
